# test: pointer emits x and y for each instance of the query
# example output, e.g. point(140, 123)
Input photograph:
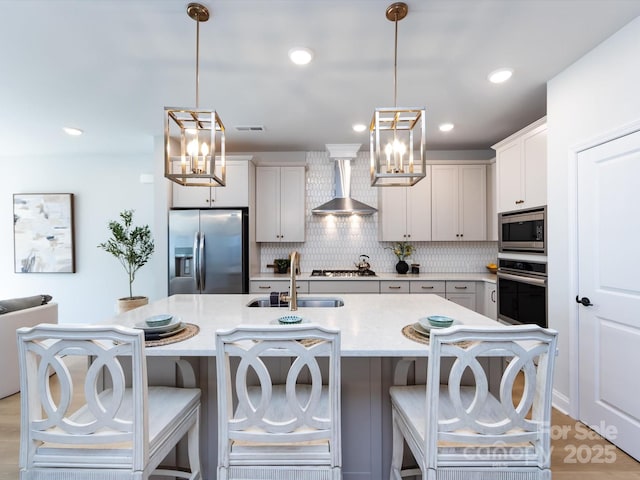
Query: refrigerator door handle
point(196, 252)
point(201, 260)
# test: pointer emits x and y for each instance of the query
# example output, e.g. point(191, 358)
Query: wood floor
point(578, 453)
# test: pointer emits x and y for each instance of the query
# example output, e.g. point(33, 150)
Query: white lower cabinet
point(489, 300)
point(268, 286)
point(426, 286)
point(344, 286)
point(477, 296)
point(394, 286)
point(462, 293)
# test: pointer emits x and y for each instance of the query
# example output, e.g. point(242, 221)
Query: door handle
point(584, 301)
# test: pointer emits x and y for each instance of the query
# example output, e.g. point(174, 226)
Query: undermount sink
point(326, 302)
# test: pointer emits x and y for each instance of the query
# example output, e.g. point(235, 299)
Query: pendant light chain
point(395, 64)
point(197, 60)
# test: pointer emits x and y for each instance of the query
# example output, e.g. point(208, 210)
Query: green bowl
point(289, 320)
point(158, 320)
point(440, 321)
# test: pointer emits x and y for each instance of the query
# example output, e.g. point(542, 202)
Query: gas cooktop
point(343, 273)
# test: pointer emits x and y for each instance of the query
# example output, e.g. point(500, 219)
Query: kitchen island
point(372, 345)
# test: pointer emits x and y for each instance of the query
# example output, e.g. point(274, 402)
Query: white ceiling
point(110, 68)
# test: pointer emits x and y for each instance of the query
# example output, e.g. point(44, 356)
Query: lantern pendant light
point(191, 134)
point(397, 134)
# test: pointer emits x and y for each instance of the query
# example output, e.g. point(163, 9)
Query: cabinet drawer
point(390, 286)
point(344, 286)
point(461, 287)
point(424, 286)
point(268, 286)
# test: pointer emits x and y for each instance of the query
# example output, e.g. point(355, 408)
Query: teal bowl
point(440, 321)
point(158, 320)
point(289, 320)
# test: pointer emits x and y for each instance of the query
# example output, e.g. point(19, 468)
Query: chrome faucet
point(293, 289)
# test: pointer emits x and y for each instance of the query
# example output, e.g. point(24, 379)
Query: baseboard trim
point(560, 402)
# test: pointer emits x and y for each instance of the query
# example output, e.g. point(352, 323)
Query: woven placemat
point(410, 332)
point(190, 330)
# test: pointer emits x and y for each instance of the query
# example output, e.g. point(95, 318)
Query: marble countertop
point(371, 325)
point(473, 277)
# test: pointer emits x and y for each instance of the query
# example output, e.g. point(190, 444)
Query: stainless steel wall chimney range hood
point(342, 203)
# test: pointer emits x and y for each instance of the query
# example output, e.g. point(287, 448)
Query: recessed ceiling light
point(72, 131)
point(300, 55)
point(359, 127)
point(445, 127)
point(500, 75)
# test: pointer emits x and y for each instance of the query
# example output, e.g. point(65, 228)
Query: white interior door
point(609, 276)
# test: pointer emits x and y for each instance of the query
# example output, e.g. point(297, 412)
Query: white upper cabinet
point(234, 194)
point(280, 204)
point(458, 202)
point(404, 213)
point(492, 208)
point(521, 168)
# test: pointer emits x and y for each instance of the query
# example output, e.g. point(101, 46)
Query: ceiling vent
point(342, 203)
point(250, 128)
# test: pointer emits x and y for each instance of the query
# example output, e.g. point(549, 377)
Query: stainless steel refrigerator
point(208, 251)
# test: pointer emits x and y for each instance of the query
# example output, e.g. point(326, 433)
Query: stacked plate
point(424, 325)
point(161, 326)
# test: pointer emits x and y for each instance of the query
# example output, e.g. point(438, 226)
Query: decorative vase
point(402, 267)
point(129, 303)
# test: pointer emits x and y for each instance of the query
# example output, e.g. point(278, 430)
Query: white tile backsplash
point(337, 242)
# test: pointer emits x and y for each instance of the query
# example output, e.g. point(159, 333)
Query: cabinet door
point(267, 204)
point(392, 215)
point(236, 191)
point(472, 205)
point(534, 151)
point(419, 209)
point(234, 194)
point(444, 202)
point(509, 177)
point(292, 204)
point(280, 204)
point(465, 299)
point(490, 301)
point(492, 212)
point(268, 286)
point(199, 197)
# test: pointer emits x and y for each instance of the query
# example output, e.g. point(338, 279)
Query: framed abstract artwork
point(43, 233)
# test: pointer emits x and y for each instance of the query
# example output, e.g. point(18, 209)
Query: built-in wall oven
point(522, 291)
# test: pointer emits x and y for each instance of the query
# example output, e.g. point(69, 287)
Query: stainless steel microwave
point(523, 231)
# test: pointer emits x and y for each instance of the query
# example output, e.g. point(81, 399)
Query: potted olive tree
point(132, 246)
